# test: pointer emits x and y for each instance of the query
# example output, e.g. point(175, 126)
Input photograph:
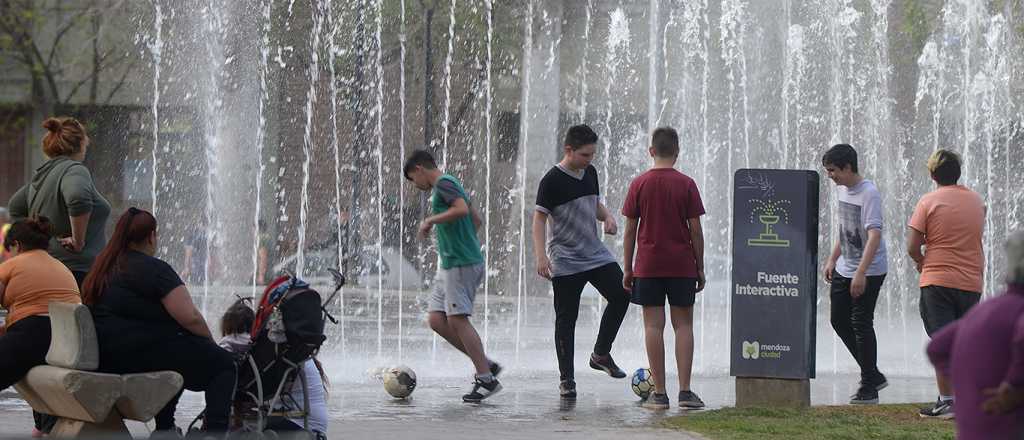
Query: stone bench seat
point(89, 403)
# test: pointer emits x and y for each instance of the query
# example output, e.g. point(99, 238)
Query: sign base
point(759, 391)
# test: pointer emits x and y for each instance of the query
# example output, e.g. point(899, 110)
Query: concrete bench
point(87, 403)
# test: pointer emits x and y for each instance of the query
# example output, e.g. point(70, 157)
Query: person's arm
point(18, 206)
point(178, 304)
point(3, 288)
point(915, 240)
point(540, 251)
point(261, 264)
point(697, 241)
point(77, 188)
point(859, 279)
point(1009, 395)
point(79, 226)
point(628, 249)
point(830, 264)
point(611, 226)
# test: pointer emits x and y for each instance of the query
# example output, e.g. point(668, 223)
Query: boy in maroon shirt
point(664, 205)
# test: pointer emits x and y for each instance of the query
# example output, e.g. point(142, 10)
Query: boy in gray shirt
point(857, 267)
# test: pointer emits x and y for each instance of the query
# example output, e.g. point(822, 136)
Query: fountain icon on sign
point(768, 212)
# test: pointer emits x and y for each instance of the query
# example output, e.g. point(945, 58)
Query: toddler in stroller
point(281, 386)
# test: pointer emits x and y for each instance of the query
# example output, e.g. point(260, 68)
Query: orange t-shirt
point(952, 219)
point(31, 281)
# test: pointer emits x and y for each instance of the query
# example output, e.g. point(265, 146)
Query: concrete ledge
point(758, 391)
point(79, 395)
point(145, 394)
point(73, 338)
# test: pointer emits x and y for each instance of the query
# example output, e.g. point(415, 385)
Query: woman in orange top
point(29, 281)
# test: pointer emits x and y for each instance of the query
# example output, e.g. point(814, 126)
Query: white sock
point(945, 398)
point(486, 377)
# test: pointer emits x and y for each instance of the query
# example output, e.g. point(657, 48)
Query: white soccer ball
point(399, 381)
point(642, 382)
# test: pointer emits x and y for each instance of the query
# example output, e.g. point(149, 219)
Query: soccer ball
point(399, 381)
point(642, 382)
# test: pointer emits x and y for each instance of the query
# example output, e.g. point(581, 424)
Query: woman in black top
point(146, 321)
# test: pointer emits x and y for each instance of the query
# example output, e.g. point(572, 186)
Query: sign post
point(774, 286)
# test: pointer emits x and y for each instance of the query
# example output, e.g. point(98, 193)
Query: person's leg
point(608, 281)
point(863, 322)
point(938, 308)
point(440, 324)
point(654, 341)
point(474, 348)
point(24, 346)
point(567, 308)
point(202, 364)
point(841, 313)
point(682, 325)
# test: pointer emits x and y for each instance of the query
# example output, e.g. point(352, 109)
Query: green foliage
point(829, 422)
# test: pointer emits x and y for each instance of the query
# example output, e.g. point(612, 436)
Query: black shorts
point(681, 292)
point(943, 305)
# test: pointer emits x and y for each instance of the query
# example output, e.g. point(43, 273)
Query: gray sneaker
point(689, 399)
point(656, 401)
point(943, 409)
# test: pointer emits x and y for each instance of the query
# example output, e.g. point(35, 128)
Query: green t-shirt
point(456, 240)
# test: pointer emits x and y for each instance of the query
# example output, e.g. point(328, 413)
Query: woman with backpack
point(146, 321)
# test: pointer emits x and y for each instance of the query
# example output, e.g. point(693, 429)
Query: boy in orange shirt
point(949, 222)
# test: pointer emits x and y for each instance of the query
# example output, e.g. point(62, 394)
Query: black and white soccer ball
point(399, 381)
point(642, 382)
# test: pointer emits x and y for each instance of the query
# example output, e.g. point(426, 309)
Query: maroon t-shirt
point(663, 199)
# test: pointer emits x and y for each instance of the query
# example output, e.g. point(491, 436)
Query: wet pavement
point(528, 408)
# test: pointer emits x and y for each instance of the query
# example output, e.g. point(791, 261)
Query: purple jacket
point(979, 351)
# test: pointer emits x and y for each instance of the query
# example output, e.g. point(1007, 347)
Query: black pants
point(854, 322)
point(608, 281)
point(23, 346)
point(203, 365)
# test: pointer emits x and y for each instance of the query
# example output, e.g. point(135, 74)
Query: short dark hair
point(30, 234)
point(237, 319)
point(421, 158)
point(665, 142)
point(579, 135)
point(944, 165)
point(841, 155)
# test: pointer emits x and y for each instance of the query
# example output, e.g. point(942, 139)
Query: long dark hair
point(134, 226)
point(30, 234)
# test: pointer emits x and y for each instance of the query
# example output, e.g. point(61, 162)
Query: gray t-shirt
point(570, 201)
point(860, 210)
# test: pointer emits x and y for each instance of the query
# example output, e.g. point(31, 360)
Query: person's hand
point(857, 285)
point(1002, 399)
point(701, 280)
point(544, 266)
point(830, 267)
point(627, 280)
point(70, 244)
point(425, 228)
point(610, 226)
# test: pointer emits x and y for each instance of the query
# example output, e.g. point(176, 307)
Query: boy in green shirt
point(462, 267)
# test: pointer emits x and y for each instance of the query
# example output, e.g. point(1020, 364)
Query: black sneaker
point(879, 382)
point(866, 395)
point(482, 390)
point(689, 399)
point(943, 409)
point(567, 389)
point(495, 368)
point(607, 364)
point(656, 401)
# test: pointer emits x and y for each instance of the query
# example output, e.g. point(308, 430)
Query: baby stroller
point(287, 332)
